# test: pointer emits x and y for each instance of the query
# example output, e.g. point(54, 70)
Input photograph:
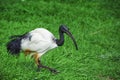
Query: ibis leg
point(46, 67)
point(38, 62)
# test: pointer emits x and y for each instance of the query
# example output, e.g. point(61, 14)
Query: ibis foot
point(46, 67)
point(50, 69)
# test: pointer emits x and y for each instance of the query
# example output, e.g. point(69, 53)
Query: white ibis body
point(41, 41)
point(38, 42)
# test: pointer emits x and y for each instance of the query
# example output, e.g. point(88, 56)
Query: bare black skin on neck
point(60, 41)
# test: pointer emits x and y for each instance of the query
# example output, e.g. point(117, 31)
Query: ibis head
point(65, 29)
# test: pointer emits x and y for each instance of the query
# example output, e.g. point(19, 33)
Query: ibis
point(37, 42)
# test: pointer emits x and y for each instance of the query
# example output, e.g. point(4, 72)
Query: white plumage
point(41, 41)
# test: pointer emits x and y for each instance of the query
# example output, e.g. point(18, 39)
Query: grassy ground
point(94, 23)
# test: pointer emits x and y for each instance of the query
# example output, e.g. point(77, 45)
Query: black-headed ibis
point(37, 42)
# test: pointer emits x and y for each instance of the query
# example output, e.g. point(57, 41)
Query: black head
point(65, 29)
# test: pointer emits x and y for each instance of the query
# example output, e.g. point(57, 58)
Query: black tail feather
point(13, 46)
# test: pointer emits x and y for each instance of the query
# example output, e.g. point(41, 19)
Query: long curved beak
point(70, 35)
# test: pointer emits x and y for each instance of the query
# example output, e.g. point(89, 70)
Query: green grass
point(94, 23)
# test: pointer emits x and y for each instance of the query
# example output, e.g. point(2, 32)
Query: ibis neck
point(60, 41)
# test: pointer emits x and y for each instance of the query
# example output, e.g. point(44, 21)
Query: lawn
point(95, 25)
